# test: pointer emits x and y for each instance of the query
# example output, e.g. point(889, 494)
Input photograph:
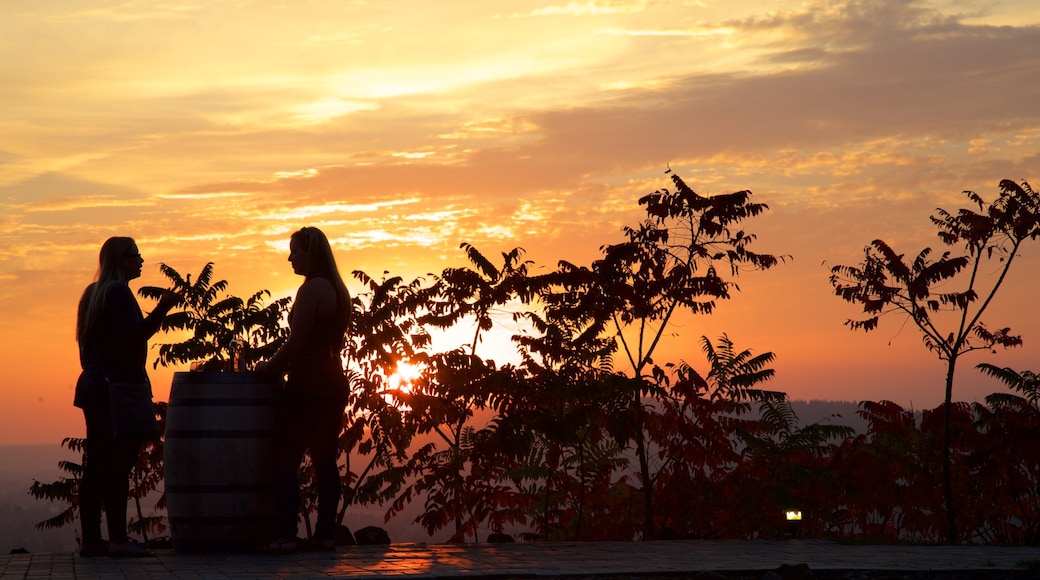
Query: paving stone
point(617, 560)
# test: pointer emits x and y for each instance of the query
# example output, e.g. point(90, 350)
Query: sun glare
point(403, 378)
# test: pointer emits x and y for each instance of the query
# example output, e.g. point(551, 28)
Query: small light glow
point(793, 515)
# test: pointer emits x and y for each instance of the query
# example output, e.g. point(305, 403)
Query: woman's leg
point(98, 457)
point(117, 487)
point(325, 454)
point(292, 429)
point(324, 451)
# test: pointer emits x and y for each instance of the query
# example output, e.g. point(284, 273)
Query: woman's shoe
point(93, 549)
point(279, 546)
point(128, 550)
point(314, 544)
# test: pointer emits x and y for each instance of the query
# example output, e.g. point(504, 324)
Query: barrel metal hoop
point(220, 401)
point(229, 520)
point(217, 433)
point(224, 488)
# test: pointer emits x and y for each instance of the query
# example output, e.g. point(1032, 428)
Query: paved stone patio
point(684, 558)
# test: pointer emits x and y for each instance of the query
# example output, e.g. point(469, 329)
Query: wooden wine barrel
point(218, 460)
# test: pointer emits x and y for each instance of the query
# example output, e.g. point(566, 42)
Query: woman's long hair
point(110, 272)
point(321, 263)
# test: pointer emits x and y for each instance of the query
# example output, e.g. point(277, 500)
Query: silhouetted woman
point(113, 346)
point(311, 406)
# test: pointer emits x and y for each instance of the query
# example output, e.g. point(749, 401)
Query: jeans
point(308, 423)
point(106, 477)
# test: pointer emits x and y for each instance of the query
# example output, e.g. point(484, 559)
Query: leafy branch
point(226, 332)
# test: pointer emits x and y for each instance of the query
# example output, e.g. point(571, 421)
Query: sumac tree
point(946, 297)
point(684, 256)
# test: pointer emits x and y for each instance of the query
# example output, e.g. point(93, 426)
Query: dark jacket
point(115, 347)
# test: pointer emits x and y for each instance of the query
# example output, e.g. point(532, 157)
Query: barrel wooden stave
point(218, 458)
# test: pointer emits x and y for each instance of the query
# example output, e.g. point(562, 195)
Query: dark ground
point(795, 573)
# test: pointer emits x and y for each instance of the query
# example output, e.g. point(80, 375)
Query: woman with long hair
point(113, 347)
point(311, 407)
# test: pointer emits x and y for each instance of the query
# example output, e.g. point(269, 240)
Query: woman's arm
point(121, 340)
point(127, 319)
point(150, 325)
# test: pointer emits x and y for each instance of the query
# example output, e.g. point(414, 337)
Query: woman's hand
point(265, 367)
point(169, 299)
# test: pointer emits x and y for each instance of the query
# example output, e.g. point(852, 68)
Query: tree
point(463, 293)
point(685, 255)
point(884, 283)
point(556, 434)
point(696, 434)
point(1008, 458)
point(65, 489)
point(383, 336)
point(1026, 383)
point(459, 488)
point(784, 465)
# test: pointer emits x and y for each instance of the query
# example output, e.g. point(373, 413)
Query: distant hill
point(19, 511)
point(829, 412)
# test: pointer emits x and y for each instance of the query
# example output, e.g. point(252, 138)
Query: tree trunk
point(644, 471)
point(951, 518)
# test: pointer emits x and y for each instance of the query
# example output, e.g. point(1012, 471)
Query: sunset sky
point(209, 131)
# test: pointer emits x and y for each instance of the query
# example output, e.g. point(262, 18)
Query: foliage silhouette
point(1009, 423)
point(1027, 383)
point(384, 335)
point(785, 463)
point(671, 261)
point(695, 430)
point(463, 293)
point(564, 446)
point(225, 332)
point(454, 387)
point(884, 283)
point(65, 489)
point(1006, 428)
